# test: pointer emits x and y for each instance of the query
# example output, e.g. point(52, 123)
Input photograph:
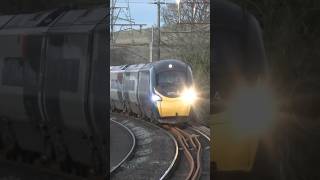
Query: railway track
point(195, 152)
point(148, 160)
point(192, 154)
point(122, 144)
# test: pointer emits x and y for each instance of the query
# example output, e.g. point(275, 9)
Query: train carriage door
point(126, 90)
point(144, 92)
point(120, 90)
point(20, 59)
point(65, 92)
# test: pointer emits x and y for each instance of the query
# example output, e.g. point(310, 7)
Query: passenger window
point(18, 72)
point(65, 53)
point(12, 74)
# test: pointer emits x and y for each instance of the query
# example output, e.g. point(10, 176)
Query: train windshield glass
point(170, 83)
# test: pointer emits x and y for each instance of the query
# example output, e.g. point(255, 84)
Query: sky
point(142, 11)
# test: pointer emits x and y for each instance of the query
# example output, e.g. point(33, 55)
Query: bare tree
point(187, 34)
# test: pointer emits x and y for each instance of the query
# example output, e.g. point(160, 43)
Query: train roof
point(157, 64)
point(174, 62)
point(80, 20)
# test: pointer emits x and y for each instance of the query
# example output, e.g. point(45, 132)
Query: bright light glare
point(178, 1)
point(189, 95)
point(155, 98)
point(253, 109)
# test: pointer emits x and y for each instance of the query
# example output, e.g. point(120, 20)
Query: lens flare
point(189, 95)
point(155, 98)
point(252, 110)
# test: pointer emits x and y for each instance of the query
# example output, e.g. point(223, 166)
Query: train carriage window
point(65, 53)
point(17, 72)
point(12, 74)
point(22, 65)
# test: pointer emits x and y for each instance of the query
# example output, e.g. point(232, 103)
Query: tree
point(189, 37)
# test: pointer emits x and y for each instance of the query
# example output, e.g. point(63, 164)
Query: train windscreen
point(170, 83)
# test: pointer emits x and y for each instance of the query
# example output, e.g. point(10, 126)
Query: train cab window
point(171, 83)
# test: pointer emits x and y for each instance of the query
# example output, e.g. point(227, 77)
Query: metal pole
point(111, 15)
point(151, 46)
point(158, 3)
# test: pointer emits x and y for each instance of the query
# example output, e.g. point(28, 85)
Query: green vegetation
point(189, 40)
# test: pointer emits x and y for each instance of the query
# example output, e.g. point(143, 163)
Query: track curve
point(155, 154)
point(122, 143)
point(194, 162)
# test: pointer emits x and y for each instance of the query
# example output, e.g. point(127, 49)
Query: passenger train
point(162, 91)
point(243, 106)
point(52, 78)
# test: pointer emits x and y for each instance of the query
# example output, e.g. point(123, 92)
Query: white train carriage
point(130, 88)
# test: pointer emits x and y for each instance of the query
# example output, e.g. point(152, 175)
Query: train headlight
point(253, 109)
point(155, 98)
point(189, 95)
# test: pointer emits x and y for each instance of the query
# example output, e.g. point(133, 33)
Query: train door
point(120, 90)
point(126, 90)
point(98, 103)
point(65, 90)
point(144, 92)
point(133, 92)
point(20, 63)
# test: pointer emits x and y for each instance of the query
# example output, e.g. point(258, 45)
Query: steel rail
point(131, 150)
point(198, 170)
point(166, 173)
point(173, 162)
point(187, 153)
point(200, 132)
point(194, 141)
